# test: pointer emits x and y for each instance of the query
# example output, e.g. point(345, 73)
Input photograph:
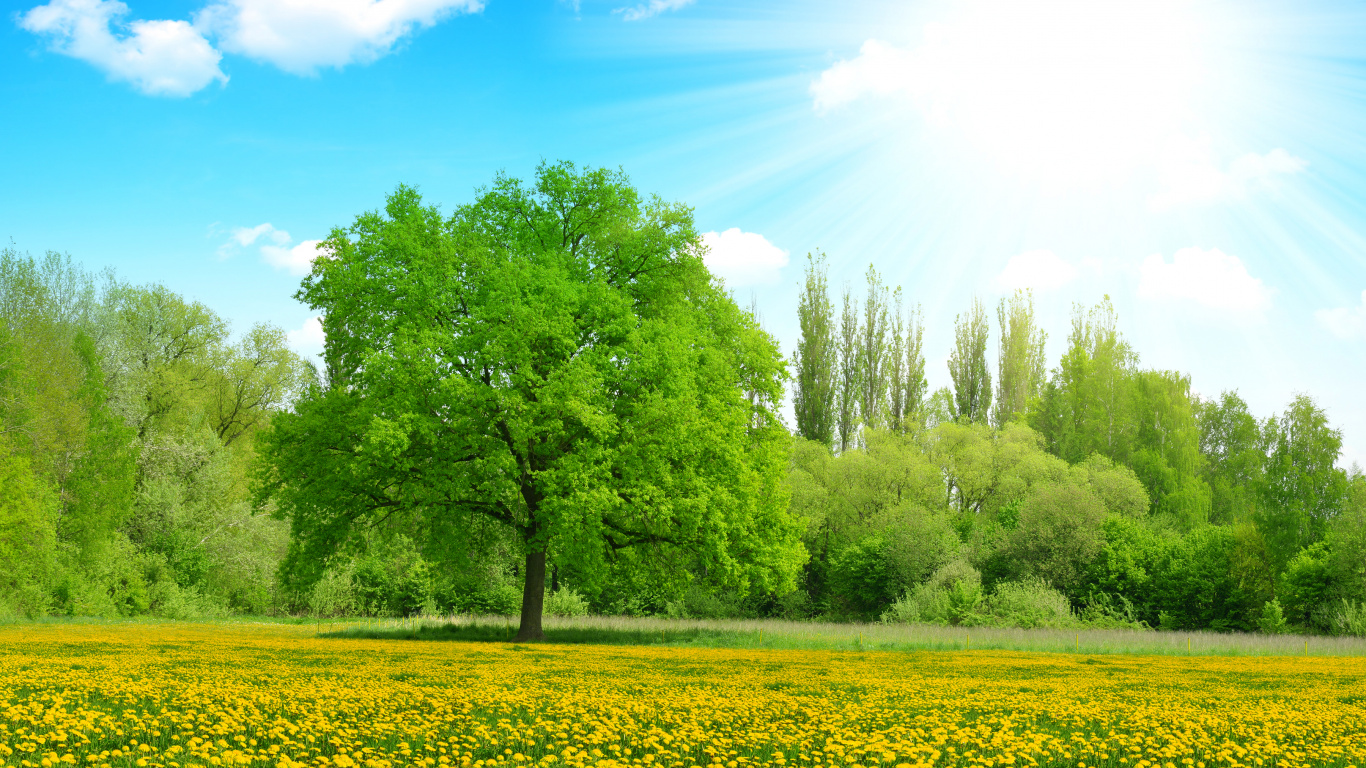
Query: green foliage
point(850, 374)
point(859, 579)
point(1304, 489)
point(1347, 617)
point(872, 353)
point(1021, 365)
point(112, 396)
point(1307, 583)
point(1059, 534)
point(1029, 603)
point(816, 357)
point(1098, 402)
point(554, 358)
point(1272, 620)
point(949, 596)
point(1194, 585)
point(566, 603)
point(27, 536)
point(1234, 448)
point(968, 365)
point(954, 596)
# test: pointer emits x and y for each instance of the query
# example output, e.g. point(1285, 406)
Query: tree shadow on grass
point(494, 633)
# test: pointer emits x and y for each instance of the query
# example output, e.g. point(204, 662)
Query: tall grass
point(773, 633)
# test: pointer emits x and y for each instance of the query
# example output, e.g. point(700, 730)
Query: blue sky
point(1202, 163)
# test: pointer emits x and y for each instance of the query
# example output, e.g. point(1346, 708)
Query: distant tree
point(872, 353)
point(554, 358)
point(1021, 365)
point(1233, 444)
point(816, 358)
point(968, 364)
point(1163, 446)
point(850, 374)
point(1099, 402)
point(163, 355)
point(257, 377)
point(1304, 489)
point(1083, 409)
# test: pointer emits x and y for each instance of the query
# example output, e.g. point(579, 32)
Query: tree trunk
point(533, 599)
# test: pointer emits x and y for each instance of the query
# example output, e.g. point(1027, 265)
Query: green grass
point(772, 633)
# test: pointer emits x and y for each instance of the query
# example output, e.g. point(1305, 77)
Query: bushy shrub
point(172, 601)
point(950, 596)
point(1029, 603)
point(860, 579)
point(490, 598)
point(1347, 618)
point(1272, 620)
point(1102, 610)
point(954, 596)
point(332, 595)
point(1307, 583)
point(565, 602)
point(697, 602)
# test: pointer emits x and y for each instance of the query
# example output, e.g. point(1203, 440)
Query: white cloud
point(160, 58)
point(309, 339)
point(651, 8)
point(743, 258)
point(1211, 278)
point(245, 236)
point(1345, 322)
point(1040, 270)
point(275, 246)
point(299, 36)
point(1190, 175)
point(297, 260)
point(879, 70)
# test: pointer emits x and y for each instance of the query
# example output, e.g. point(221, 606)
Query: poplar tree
point(1020, 366)
point(896, 366)
point(916, 387)
point(872, 352)
point(968, 364)
point(849, 379)
point(816, 357)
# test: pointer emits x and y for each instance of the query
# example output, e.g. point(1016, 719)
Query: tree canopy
point(552, 358)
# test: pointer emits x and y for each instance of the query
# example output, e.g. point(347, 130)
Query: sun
point(1069, 90)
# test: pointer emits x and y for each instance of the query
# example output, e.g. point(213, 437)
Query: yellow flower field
point(173, 696)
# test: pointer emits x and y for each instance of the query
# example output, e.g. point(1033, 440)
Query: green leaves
point(554, 357)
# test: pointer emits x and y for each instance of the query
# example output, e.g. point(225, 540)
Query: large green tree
point(553, 357)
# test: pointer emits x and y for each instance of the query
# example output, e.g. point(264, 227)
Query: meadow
point(168, 695)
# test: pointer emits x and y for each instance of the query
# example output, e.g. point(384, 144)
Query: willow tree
point(554, 358)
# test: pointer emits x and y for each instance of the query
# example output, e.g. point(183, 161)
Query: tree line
point(128, 419)
point(542, 402)
point(1099, 486)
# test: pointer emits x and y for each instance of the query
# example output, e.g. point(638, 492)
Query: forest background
point(1091, 492)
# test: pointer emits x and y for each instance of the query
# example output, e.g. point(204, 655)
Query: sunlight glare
point(1065, 90)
